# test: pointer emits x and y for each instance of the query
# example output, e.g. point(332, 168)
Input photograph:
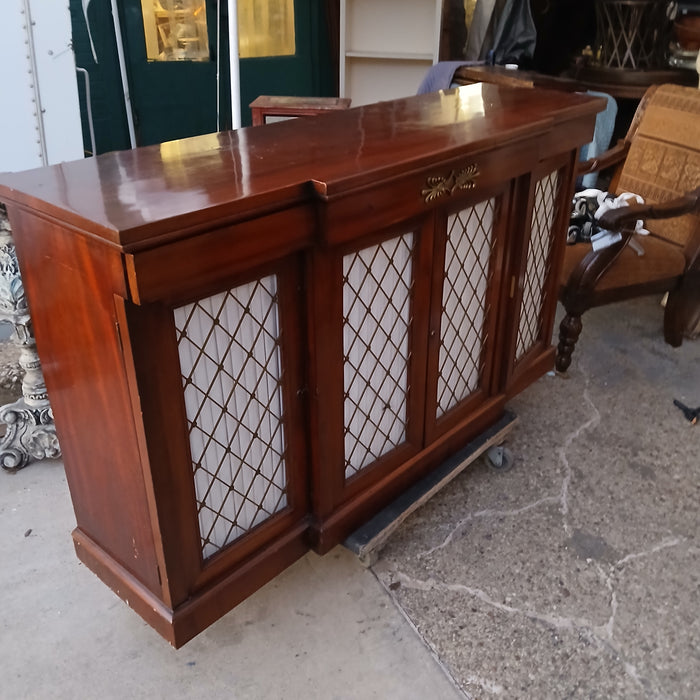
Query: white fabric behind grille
point(376, 311)
point(538, 261)
point(229, 352)
point(462, 331)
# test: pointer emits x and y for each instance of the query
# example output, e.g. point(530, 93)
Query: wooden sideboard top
point(133, 196)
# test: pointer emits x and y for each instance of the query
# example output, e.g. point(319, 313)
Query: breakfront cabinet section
point(427, 326)
point(409, 324)
point(255, 340)
point(223, 427)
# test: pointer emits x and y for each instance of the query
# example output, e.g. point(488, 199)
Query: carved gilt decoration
point(463, 179)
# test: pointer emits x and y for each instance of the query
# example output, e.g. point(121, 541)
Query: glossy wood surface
point(500, 75)
point(112, 247)
point(134, 198)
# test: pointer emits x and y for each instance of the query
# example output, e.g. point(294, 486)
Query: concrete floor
point(574, 575)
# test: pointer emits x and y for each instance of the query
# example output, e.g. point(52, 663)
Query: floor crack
point(561, 453)
point(426, 642)
point(562, 499)
point(664, 544)
point(601, 634)
point(556, 621)
point(461, 526)
point(485, 684)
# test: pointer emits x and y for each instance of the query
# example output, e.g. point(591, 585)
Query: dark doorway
point(172, 66)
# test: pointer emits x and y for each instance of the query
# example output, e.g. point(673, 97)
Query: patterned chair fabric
point(660, 160)
point(664, 156)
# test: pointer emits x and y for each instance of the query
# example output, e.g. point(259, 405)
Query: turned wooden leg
point(674, 319)
point(569, 331)
point(682, 309)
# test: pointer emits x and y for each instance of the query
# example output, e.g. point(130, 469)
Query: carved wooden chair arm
point(617, 219)
point(612, 156)
point(575, 291)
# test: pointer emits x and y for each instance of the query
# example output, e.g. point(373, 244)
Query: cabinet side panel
point(70, 282)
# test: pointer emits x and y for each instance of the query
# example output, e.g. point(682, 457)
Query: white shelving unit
point(386, 47)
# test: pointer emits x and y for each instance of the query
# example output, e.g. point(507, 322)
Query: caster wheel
point(500, 458)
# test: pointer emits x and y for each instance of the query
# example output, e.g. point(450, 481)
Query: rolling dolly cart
point(367, 541)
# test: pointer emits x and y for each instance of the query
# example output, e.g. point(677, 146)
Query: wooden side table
point(626, 86)
point(276, 106)
point(620, 84)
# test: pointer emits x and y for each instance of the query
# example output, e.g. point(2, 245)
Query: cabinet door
point(224, 428)
point(230, 347)
point(535, 280)
point(469, 245)
point(371, 326)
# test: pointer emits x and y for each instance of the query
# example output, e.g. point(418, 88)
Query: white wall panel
point(40, 111)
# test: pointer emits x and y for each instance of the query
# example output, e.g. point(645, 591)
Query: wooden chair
point(660, 160)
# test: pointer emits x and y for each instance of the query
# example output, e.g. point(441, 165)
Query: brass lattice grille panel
point(464, 304)
point(538, 262)
point(377, 284)
point(230, 362)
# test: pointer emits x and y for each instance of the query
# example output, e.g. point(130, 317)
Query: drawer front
point(202, 263)
point(419, 191)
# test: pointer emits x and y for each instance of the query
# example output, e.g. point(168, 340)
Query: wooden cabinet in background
point(255, 340)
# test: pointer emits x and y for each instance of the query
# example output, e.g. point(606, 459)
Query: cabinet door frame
point(151, 356)
point(330, 486)
point(520, 371)
point(460, 413)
